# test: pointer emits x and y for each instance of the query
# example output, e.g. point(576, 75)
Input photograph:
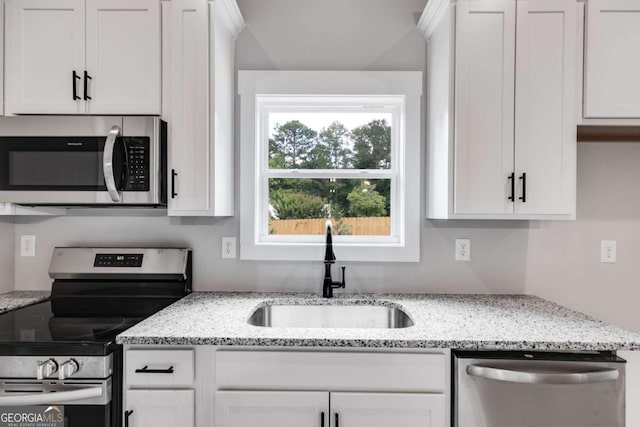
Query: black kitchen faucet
point(330, 258)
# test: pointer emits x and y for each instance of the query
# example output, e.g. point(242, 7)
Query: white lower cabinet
point(323, 409)
point(271, 408)
point(387, 409)
point(160, 408)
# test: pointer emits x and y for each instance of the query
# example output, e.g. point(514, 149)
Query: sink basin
point(330, 316)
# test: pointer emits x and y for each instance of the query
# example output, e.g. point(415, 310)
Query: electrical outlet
point(608, 251)
point(463, 249)
point(228, 247)
point(28, 246)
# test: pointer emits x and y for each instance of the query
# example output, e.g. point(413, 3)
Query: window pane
point(356, 206)
point(330, 140)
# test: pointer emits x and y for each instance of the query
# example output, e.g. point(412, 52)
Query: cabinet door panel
point(384, 410)
point(612, 63)
point(44, 45)
point(190, 152)
point(484, 106)
point(123, 56)
point(545, 106)
point(270, 409)
point(161, 408)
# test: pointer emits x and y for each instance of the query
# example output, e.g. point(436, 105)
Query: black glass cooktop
point(34, 330)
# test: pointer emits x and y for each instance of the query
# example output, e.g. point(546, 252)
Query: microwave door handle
point(51, 398)
point(107, 164)
point(526, 377)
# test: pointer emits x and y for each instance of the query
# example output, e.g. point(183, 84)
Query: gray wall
point(6, 255)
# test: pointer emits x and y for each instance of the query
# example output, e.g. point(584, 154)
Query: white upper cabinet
point(484, 105)
point(44, 56)
point(198, 62)
point(501, 108)
point(546, 128)
point(1, 57)
point(83, 57)
point(123, 56)
point(612, 63)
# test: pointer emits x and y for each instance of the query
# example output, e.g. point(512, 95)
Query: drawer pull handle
point(146, 370)
point(127, 414)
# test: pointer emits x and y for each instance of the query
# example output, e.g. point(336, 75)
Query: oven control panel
point(118, 260)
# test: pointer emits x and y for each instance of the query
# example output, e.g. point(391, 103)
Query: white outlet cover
point(463, 249)
point(608, 251)
point(28, 246)
point(228, 247)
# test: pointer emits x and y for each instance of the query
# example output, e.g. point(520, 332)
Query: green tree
point(372, 145)
point(365, 201)
point(335, 140)
point(291, 143)
point(289, 204)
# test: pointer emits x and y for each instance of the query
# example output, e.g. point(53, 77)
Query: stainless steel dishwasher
point(535, 389)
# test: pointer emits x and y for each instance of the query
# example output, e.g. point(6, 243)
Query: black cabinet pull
point(127, 414)
point(322, 419)
point(75, 88)
point(87, 77)
point(174, 174)
point(337, 420)
point(146, 370)
point(524, 188)
point(512, 178)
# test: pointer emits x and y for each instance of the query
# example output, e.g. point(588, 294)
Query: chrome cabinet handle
point(526, 377)
point(107, 163)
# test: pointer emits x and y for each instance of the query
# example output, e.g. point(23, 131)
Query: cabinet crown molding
point(432, 14)
point(232, 15)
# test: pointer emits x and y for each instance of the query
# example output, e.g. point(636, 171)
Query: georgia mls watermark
point(32, 416)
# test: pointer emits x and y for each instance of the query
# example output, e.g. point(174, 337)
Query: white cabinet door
point(545, 147)
point(612, 63)
point(484, 106)
point(384, 410)
point(270, 409)
point(1, 58)
point(45, 45)
point(123, 56)
point(190, 146)
point(160, 408)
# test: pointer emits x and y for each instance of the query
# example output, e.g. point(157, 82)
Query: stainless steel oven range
point(63, 352)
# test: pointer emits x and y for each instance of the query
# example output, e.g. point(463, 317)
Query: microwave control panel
point(138, 164)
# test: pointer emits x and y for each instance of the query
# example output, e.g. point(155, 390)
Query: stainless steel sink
point(330, 316)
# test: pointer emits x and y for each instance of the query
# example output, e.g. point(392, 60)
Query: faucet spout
point(329, 255)
point(328, 284)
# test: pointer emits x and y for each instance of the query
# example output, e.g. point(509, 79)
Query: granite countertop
point(18, 299)
point(501, 322)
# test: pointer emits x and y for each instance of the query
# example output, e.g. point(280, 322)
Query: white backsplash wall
point(6, 255)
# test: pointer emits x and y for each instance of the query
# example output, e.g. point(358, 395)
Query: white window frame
point(262, 92)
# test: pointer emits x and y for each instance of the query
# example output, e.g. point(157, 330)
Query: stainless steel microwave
point(119, 162)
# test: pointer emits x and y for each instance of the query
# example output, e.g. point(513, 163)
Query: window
point(338, 146)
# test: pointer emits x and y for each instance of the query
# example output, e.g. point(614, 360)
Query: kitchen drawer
point(336, 371)
point(159, 367)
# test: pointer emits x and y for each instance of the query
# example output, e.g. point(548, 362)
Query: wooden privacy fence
point(365, 226)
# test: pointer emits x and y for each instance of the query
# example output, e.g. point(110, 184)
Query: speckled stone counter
point(502, 322)
point(18, 299)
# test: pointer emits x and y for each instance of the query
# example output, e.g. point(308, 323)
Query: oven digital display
point(118, 260)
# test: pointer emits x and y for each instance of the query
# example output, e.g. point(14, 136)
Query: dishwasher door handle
point(527, 377)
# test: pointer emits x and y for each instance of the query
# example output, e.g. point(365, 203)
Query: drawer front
point(159, 367)
point(292, 370)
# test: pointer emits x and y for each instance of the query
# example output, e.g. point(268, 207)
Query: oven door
point(85, 403)
point(62, 170)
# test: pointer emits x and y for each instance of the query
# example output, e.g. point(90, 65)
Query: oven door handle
point(107, 163)
point(526, 377)
point(51, 398)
